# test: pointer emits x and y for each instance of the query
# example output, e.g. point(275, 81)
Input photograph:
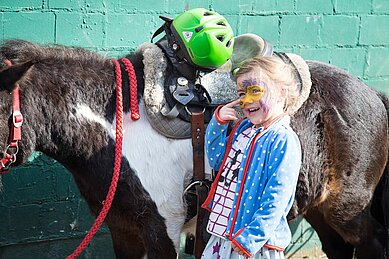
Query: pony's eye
point(241, 94)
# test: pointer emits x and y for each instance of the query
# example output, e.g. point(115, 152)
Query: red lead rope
point(118, 149)
point(133, 89)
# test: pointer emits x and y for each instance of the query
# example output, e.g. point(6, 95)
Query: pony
point(67, 98)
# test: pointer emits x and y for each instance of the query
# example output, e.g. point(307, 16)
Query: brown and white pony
point(67, 98)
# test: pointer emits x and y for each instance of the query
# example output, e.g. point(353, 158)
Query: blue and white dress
point(265, 187)
point(225, 190)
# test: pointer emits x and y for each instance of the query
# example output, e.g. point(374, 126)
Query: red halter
point(9, 154)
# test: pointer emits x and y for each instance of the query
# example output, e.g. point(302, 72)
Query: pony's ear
point(10, 75)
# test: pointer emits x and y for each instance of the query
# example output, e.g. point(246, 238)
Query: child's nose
point(246, 100)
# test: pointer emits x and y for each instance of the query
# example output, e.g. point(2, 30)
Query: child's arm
point(283, 167)
point(216, 140)
point(216, 133)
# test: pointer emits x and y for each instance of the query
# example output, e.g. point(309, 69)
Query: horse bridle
point(15, 133)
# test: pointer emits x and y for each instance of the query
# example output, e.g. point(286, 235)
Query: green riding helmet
point(204, 38)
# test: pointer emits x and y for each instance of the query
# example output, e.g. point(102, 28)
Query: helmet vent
point(199, 28)
point(228, 44)
point(221, 23)
point(207, 13)
point(220, 38)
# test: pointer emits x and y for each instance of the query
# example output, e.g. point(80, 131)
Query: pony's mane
point(22, 51)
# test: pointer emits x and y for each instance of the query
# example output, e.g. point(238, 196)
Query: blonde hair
point(277, 71)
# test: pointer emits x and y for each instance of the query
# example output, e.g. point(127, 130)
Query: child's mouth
point(252, 110)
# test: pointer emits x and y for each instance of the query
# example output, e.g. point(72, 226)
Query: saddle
point(170, 97)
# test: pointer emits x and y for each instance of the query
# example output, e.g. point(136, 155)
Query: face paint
point(250, 91)
point(264, 106)
point(260, 98)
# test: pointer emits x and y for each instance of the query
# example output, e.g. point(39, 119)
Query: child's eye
point(257, 91)
point(241, 94)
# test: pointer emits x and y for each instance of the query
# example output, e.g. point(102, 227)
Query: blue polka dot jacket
point(266, 182)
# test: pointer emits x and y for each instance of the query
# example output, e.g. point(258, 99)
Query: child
point(258, 165)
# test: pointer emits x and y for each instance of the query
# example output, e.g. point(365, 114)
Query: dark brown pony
point(68, 102)
point(343, 128)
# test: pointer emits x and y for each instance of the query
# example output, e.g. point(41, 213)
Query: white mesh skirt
point(219, 248)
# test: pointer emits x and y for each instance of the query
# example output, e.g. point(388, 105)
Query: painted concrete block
point(80, 29)
point(126, 30)
point(12, 4)
point(347, 6)
point(33, 26)
point(380, 6)
point(264, 26)
point(313, 6)
point(378, 58)
point(374, 30)
point(300, 29)
point(340, 30)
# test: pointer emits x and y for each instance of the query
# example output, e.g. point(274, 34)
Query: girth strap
point(197, 123)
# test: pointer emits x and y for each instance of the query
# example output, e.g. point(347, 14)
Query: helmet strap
point(164, 28)
point(183, 67)
point(174, 52)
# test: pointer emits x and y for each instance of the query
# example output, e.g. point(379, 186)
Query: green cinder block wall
point(41, 211)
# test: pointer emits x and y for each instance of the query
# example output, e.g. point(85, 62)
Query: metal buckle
point(5, 165)
point(16, 114)
point(190, 112)
point(183, 96)
point(13, 153)
point(194, 183)
point(190, 186)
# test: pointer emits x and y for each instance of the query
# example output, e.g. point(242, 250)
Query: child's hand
point(237, 250)
point(227, 112)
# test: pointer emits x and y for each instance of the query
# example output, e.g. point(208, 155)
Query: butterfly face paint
point(250, 90)
point(260, 98)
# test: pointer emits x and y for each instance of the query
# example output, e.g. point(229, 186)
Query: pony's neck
point(75, 111)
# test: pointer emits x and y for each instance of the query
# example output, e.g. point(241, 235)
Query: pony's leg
point(158, 243)
point(127, 244)
point(332, 243)
point(174, 214)
point(356, 226)
point(150, 238)
point(374, 244)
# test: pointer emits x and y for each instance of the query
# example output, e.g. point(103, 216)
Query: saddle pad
point(155, 64)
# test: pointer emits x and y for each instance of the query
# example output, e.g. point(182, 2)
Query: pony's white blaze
point(161, 164)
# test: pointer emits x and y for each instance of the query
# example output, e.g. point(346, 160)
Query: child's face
point(259, 98)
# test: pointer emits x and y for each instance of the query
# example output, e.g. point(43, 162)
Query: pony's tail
point(383, 186)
